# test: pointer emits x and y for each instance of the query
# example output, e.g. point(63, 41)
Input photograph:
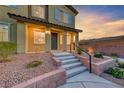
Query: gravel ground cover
point(15, 71)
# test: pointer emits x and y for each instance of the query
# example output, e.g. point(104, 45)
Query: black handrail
point(90, 64)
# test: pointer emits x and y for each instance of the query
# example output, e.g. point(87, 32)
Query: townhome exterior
point(38, 28)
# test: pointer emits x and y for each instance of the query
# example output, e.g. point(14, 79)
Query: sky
point(99, 21)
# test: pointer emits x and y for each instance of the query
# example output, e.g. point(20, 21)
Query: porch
point(34, 36)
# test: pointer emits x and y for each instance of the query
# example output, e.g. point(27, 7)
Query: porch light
point(47, 32)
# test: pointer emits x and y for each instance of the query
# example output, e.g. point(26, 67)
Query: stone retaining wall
point(49, 80)
point(97, 68)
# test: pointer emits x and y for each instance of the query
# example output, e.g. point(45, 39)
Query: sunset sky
point(100, 21)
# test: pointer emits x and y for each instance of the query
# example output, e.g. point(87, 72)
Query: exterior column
point(64, 41)
point(21, 37)
point(47, 39)
point(77, 39)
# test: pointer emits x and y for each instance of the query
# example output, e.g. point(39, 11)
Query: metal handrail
point(90, 62)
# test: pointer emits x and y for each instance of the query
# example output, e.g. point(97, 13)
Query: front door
point(54, 41)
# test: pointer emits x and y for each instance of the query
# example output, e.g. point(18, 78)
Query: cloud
point(97, 26)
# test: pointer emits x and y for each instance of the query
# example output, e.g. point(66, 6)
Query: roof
point(72, 9)
point(43, 22)
point(106, 39)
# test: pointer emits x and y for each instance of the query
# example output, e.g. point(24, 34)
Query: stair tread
point(62, 54)
point(81, 68)
point(66, 57)
point(72, 64)
point(68, 60)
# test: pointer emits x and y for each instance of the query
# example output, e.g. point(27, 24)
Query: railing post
point(90, 64)
point(70, 47)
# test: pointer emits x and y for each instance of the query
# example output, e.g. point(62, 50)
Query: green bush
point(109, 70)
point(121, 64)
point(116, 72)
point(98, 54)
point(114, 55)
point(6, 49)
point(34, 64)
point(79, 51)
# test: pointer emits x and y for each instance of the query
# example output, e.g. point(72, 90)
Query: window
point(39, 36)
point(58, 15)
point(67, 18)
point(13, 6)
point(38, 11)
point(4, 32)
point(63, 16)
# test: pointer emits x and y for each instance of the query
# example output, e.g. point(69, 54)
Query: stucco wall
point(20, 10)
point(109, 47)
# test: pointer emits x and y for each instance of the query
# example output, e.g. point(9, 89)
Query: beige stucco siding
point(20, 10)
point(21, 37)
point(63, 8)
point(4, 18)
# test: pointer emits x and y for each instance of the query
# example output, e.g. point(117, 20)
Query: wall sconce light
point(47, 31)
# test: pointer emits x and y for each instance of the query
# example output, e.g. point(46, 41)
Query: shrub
point(116, 72)
point(114, 55)
point(6, 49)
point(79, 51)
point(109, 70)
point(98, 55)
point(121, 64)
point(34, 64)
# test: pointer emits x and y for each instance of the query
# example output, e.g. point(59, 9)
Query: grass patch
point(34, 64)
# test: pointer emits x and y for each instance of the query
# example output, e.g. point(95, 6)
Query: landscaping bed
point(115, 74)
point(113, 79)
point(20, 68)
point(99, 65)
point(99, 60)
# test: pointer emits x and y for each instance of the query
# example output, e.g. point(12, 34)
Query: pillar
point(47, 39)
point(64, 41)
point(21, 37)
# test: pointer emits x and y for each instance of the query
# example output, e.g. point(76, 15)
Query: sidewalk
point(87, 80)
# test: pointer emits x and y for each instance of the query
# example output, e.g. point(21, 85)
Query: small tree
point(6, 49)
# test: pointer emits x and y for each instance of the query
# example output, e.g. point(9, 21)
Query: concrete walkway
point(87, 80)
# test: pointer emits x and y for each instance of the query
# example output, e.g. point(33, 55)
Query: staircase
point(70, 63)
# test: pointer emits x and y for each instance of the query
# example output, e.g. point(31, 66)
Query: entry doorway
point(54, 41)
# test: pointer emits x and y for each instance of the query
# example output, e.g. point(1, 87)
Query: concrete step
point(72, 65)
point(62, 54)
point(66, 57)
point(70, 60)
point(75, 71)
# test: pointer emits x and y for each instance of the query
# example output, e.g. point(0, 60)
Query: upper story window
point(12, 6)
point(4, 32)
point(67, 18)
point(63, 16)
point(38, 11)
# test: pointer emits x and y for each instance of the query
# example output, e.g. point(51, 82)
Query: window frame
point(62, 14)
point(35, 17)
point(35, 30)
point(8, 24)
point(12, 6)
